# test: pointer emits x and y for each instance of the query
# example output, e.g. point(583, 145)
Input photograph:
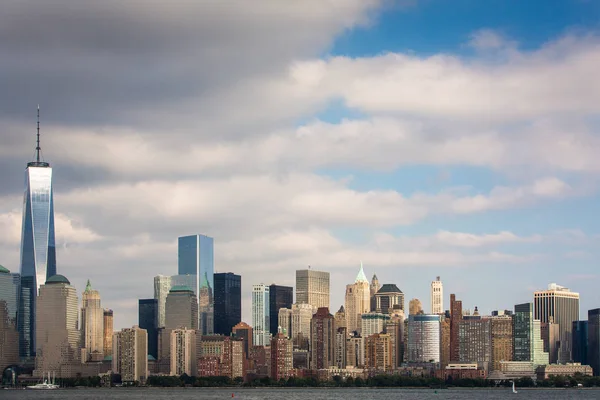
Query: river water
point(295, 394)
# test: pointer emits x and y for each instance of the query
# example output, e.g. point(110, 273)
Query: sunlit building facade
point(357, 301)
point(162, 286)
point(92, 325)
point(423, 338)
point(312, 287)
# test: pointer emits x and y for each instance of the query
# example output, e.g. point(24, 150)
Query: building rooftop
point(389, 288)
point(361, 277)
point(181, 288)
point(4, 270)
point(57, 279)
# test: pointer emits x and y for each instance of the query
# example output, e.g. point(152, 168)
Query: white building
point(260, 315)
point(437, 296)
point(424, 338)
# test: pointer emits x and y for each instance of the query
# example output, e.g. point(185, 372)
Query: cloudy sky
point(423, 137)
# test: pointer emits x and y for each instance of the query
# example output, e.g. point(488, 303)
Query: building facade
point(437, 296)
point(148, 320)
point(108, 331)
point(92, 325)
point(58, 336)
point(9, 303)
point(357, 301)
point(183, 352)
point(373, 322)
point(181, 309)
point(456, 315)
point(301, 317)
point(559, 305)
point(475, 341)
point(312, 287)
point(279, 297)
point(228, 302)
point(389, 298)
point(260, 315)
point(196, 257)
point(38, 248)
point(594, 340)
point(162, 287)
point(415, 307)
point(281, 357)
point(580, 342)
point(243, 332)
point(130, 354)
point(378, 354)
point(322, 339)
point(502, 340)
point(423, 338)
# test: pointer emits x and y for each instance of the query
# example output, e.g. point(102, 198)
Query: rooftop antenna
point(37, 149)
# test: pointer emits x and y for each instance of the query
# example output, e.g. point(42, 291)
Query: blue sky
point(421, 137)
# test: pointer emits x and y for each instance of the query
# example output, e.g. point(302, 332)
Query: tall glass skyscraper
point(228, 302)
point(38, 251)
point(196, 257)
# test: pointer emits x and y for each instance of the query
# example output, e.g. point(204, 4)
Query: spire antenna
point(37, 149)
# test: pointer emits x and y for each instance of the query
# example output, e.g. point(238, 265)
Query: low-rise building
point(545, 371)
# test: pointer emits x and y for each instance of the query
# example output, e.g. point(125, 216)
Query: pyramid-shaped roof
point(361, 277)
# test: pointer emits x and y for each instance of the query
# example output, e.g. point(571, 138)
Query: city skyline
point(423, 147)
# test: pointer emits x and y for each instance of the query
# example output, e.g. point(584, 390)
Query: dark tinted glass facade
point(522, 340)
point(228, 302)
point(580, 342)
point(594, 340)
point(148, 320)
point(279, 297)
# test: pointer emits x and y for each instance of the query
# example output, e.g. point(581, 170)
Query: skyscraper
point(92, 325)
point(130, 354)
point(424, 338)
point(196, 257)
point(387, 297)
point(475, 341)
point(279, 297)
point(594, 340)
point(527, 336)
point(374, 288)
point(358, 301)
point(162, 286)
point(260, 315)
point(183, 352)
point(228, 302)
point(243, 331)
point(38, 251)
point(181, 309)
point(281, 357)
point(561, 306)
point(9, 336)
point(58, 337)
point(378, 354)
point(437, 296)
point(312, 287)
point(108, 332)
point(148, 320)
point(455, 318)
point(502, 340)
point(580, 342)
point(322, 339)
point(301, 316)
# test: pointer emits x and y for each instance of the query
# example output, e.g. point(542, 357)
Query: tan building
point(57, 336)
point(502, 340)
point(130, 354)
point(444, 342)
point(9, 336)
point(92, 326)
point(340, 318)
point(394, 328)
point(569, 369)
point(301, 316)
point(181, 309)
point(415, 307)
point(475, 341)
point(312, 287)
point(322, 340)
point(437, 296)
point(378, 356)
point(183, 352)
point(374, 288)
point(341, 340)
point(358, 301)
point(108, 332)
point(355, 352)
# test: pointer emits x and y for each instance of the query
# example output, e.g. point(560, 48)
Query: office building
point(196, 257)
point(580, 342)
point(358, 301)
point(527, 336)
point(228, 302)
point(378, 354)
point(243, 332)
point(456, 315)
point(279, 297)
point(415, 307)
point(301, 316)
point(322, 339)
point(281, 357)
point(502, 340)
point(58, 336)
point(260, 315)
point(108, 332)
point(423, 338)
point(130, 354)
point(92, 325)
point(38, 249)
point(389, 298)
point(561, 306)
point(9, 303)
point(551, 340)
point(437, 296)
point(594, 340)
point(148, 320)
point(181, 309)
point(312, 287)
point(475, 342)
point(162, 287)
point(373, 322)
point(183, 352)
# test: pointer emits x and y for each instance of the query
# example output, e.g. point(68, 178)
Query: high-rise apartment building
point(437, 296)
point(395, 330)
point(38, 248)
point(580, 342)
point(355, 352)
point(9, 303)
point(561, 306)
point(260, 315)
point(92, 325)
point(424, 338)
point(162, 287)
point(183, 352)
point(378, 354)
point(358, 301)
point(594, 340)
point(181, 309)
point(475, 341)
point(148, 320)
point(228, 302)
point(445, 341)
point(58, 336)
point(281, 357)
point(108, 332)
point(130, 354)
point(196, 257)
point(502, 340)
point(312, 287)
point(279, 297)
point(456, 315)
point(341, 340)
point(389, 298)
point(322, 339)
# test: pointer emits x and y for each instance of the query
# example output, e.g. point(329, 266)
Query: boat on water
point(46, 385)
